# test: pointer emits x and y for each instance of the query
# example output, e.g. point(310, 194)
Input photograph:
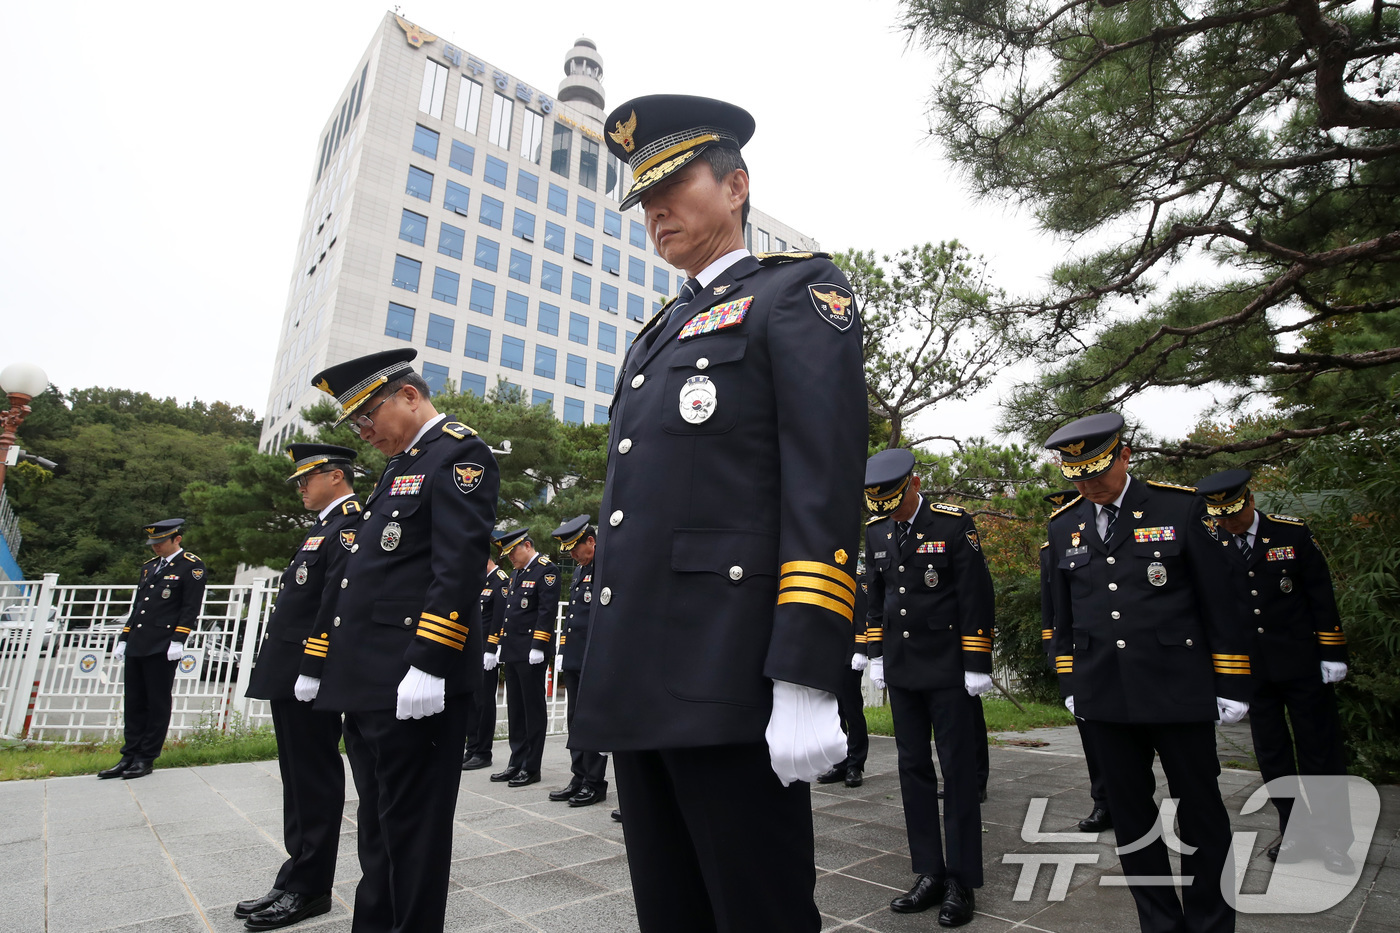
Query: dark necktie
point(1112, 511)
point(1243, 541)
point(683, 298)
point(903, 528)
point(160, 566)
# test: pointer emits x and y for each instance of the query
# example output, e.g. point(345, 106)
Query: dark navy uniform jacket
point(575, 633)
point(530, 611)
point(1142, 632)
point(296, 638)
point(493, 605)
point(931, 604)
point(410, 592)
point(167, 605)
point(1284, 598)
point(727, 531)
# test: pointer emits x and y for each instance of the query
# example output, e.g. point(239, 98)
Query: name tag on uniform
point(1280, 553)
point(407, 485)
point(1076, 551)
point(313, 544)
point(932, 547)
point(880, 554)
point(1159, 533)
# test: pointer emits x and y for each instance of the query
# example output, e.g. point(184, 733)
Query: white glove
point(306, 688)
point(804, 733)
point(536, 656)
point(977, 684)
point(490, 659)
point(421, 694)
point(174, 651)
point(119, 651)
point(1333, 671)
point(1230, 710)
point(1069, 704)
point(859, 661)
point(877, 673)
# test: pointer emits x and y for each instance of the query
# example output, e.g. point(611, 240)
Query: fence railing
point(9, 526)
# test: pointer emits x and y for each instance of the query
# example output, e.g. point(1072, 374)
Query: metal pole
point(38, 616)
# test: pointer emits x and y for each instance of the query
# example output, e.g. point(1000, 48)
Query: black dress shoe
point(523, 778)
point(958, 904)
point(1096, 822)
point(566, 793)
point(616, 815)
point(505, 775)
point(117, 769)
point(587, 796)
point(854, 777)
point(836, 774)
point(139, 768)
point(925, 893)
point(475, 763)
point(288, 909)
point(1335, 860)
point(247, 908)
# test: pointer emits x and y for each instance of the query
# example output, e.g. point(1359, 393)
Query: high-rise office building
point(459, 210)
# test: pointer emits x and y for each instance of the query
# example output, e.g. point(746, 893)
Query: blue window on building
point(462, 157)
point(457, 198)
point(604, 375)
point(576, 371)
point(612, 259)
point(436, 378)
point(495, 172)
point(425, 141)
point(483, 297)
point(520, 266)
point(478, 345)
point(440, 332)
point(600, 414)
point(607, 297)
point(583, 248)
point(451, 240)
point(552, 278)
point(524, 225)
point(612, 223)
point(517, 308)
point(607, 338)
point(573, 410)
point(631, 337)
point(420, 183)
point(445, 285)
point(548, 319)
point(660, 280)
point(399, 323)
point(553, 237)
point(513, 353)
point(586, 212)
point(636, 307)
point(636, 270)
point(406, 272)
point(582, 288)
point(578, 328)
point(509, 391)
point(558, 200)
point(546, 358)
point(492, 212)
point(636, 234)
point(527, 186)
point(541, 397)
point(474, 384)
point(488, 253)
point(413, 227)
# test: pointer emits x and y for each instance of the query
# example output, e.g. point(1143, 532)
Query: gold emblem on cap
point(325, 387)
point(150, 531)
point(1074, 449)
point(623, 134)
point(841, 556)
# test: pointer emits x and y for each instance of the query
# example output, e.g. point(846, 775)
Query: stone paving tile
point(543, 892)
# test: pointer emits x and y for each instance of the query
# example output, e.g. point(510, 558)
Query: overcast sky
point(156, 158)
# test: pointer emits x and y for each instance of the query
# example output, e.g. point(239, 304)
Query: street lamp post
point(21, 382)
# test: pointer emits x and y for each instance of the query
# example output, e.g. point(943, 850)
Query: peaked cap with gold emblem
point(572, 532)
point(660, 134)
point(353, 382)
point(886, 479)
point(307, 458)
point(1225, 492)
point(1087, 446)
point(507, 541)
point(159, 531)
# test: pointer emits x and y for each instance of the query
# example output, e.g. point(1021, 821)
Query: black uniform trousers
point(1187, 753)
point(697, 864)
point(1311, 710)
point(850, 705)
point(952, 715)
point(526, 712)
point(984, 757)
point(590, 768)
point(481, 715)
point(149, 680)
point(313, 794)
point(1097, 792)
point(407, 772)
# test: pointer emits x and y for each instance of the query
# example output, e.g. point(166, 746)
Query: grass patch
point(1002, 716)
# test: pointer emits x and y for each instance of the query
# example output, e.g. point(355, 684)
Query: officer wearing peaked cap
point(165, 611)
point(931, 601)
point(1150, 659)
point(724, 588)
point(1283, 598)
point(405, 637)
point(287, 674)
point(481, 721)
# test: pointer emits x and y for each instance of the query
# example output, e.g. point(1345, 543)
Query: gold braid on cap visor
point(874, 502)
point(1215, 507)
point(569, 544)
point(1090, 466)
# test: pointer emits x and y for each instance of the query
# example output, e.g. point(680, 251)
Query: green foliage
point(1000, 713)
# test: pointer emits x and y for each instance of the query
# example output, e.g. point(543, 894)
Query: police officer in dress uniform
point(1284, 597)
point(1149, 657)
point(527, 643)
point(588, 784)
point(850, 702)
point(164, 612)
point(481, 720)
point(721, 629)
point(403, 645)
point(930, 638)
point(1099, 817)
point(308, 740)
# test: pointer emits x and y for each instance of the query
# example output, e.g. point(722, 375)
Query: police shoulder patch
point(467, 476)
point(458, 430)
point(776, 259)
point(549, 579)
point(1286, 519)
point(834, 303)
point(197, 573)
point(1172, 486)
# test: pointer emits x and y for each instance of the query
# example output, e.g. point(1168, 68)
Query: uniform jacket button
point(624, 445)
point(354, 548)
point(702, 363)
point(1256, 612)
point(637, 381)
point(344, 582)
point(615, 518)
point(904, 612)
point(408, 621)
point(1115, 614)
point(901, 589)
point(336, 621)
point(1156, 553)
point(906, 634)
point(1253, 592)
point(605, 597)
point(901, 569)
point(1261, 630)
point(736, 572)
point(1189, 643)
point(1112, 559)
point(396, 514)
point(1113, 587)
point(366, 516)
point(1251, 573)
point(1122, 643)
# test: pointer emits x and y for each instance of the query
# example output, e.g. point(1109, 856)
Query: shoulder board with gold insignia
point(151, 561)
point(191, 557)
point(458, 430)
point(949, 508)
point(544, 560)
point(774, 259)
point(1173, 486)
point(1069, 504)
point(1045, 545)
point(877, 518)
point(1287, 519)
point(350, 507)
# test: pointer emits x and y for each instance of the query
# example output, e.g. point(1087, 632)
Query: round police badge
point(698, 399)
point(165, 593)
point(391, 537)
point(302, 574)
point(930, 578)
point(1157, 573)
point(1285, 585)
point(525, 602)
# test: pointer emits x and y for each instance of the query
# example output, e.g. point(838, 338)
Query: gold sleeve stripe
point(815, 599)
point(817, 583)
point(562, 639)
point(826, 570)
point(447, 622)
point(1232, 668)
point(493, 639)
point(862, 639)
point(976, 648)
point(182, 628)
point(978, 638)
point(1066, 668)
point(1046, 634)
point(543, 636)
point(1231, 657)
point(126, 630)
point(874, 633)
point(1327, 638)
point(425, 625)
point(438, 638)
